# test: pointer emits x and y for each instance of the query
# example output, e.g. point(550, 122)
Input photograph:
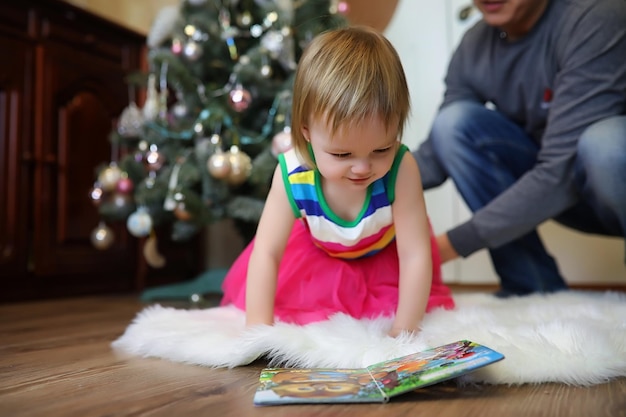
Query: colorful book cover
point(377, 383)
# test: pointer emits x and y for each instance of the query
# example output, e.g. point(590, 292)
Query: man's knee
point(603, 144)
point(601, 171)
point(452, 123)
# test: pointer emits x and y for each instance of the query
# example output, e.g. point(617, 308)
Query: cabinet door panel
point(80, 98)
point(15, 155)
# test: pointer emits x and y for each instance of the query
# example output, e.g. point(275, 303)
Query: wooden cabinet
point(61, 90)
point(16, 103)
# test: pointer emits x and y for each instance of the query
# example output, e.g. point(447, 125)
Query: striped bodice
point(370, 232)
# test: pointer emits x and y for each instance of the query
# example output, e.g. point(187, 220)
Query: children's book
point(375, 384)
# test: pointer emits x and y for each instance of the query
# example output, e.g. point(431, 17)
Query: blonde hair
point(345, 76)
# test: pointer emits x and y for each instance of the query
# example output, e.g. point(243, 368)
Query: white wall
point(424, 34)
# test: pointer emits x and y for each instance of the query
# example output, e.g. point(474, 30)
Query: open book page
point(293, 386)
point(431, 366)
point(376, 383)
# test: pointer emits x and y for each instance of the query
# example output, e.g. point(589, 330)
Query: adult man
point(533, 127)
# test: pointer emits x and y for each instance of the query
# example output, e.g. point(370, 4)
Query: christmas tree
point(203, 145)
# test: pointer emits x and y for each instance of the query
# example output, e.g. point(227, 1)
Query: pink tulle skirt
point(312, 286)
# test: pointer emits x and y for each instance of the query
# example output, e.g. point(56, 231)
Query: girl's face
point(356, 155)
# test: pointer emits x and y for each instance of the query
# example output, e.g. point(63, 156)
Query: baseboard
point(460, 288)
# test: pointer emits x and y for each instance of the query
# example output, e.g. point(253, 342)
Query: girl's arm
point(414, 251)
point(269, 245)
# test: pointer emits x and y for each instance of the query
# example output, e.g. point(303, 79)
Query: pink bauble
point(177, 46)
point(281, 142)
point(125, 185)
point(239, 99)
point(154, 160)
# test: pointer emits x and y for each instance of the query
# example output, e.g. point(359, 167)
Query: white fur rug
point(571, 337)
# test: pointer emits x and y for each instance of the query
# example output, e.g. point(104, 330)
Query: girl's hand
point(256, 322)
point(397, 331)
point(269, 246)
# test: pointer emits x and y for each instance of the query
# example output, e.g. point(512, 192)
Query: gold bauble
point(219, 164)
point(109, 177)
point(240, 166)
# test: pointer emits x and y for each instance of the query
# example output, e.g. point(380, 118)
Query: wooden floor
point(56, 360)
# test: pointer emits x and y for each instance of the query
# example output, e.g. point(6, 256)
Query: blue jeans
point(485, 153)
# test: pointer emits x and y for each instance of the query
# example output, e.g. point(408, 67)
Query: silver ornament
point(273, 42)
point(139, 224)
point(96, 194)
point(150, 108)
point(180, 110)
point(131, 121)
point(192, 50)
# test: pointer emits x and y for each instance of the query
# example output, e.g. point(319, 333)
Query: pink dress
point(325, 269)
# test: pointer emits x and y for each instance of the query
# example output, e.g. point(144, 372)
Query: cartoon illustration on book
point(376, 383)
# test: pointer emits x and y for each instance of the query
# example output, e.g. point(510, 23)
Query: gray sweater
point(577, 50)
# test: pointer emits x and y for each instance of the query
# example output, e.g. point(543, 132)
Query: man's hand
point(446, 251)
